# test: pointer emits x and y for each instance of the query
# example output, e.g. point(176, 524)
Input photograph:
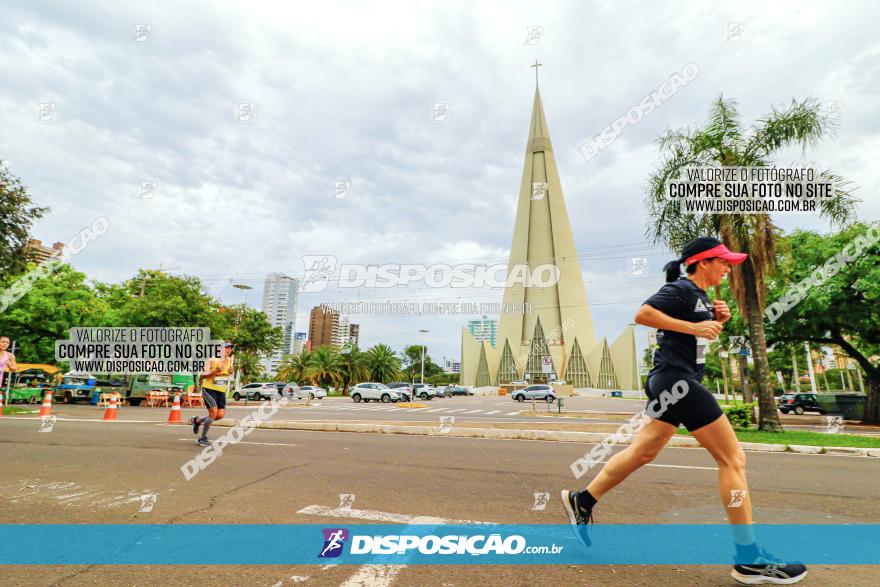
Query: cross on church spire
point(536, 66)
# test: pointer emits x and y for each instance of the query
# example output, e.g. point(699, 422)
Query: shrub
point(740, 415)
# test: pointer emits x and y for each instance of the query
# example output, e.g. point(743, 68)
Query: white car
point(257, 392)
point(305, 391)
point(373, 392)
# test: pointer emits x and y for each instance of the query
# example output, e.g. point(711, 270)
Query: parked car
point(540, 391)
point(373, 392)
point(306, 391)
point(799, 403)
point(424, 391)
point(461, 390)
point(258, 391)
point(404, 389)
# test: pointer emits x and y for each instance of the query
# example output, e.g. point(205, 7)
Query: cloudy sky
point(344, 92)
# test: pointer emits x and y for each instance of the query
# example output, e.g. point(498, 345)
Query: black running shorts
point(214, 399)
point(686, 401)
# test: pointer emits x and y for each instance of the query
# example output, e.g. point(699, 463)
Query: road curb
point(547, 435)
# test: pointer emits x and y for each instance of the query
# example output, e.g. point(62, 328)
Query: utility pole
point(810, 367)
point(723, 356)
point(422, 380)
point(797, 373)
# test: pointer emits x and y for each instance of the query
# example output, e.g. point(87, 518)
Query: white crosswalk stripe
point(473, 411)
point(493, 412)
point(512, 414)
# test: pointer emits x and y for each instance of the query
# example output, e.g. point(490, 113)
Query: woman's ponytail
point(673, 270)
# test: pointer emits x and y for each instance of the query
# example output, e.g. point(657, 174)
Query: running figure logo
point(539, 190)
point(446, 424)
point(318, 269)
point(346, 500)
point(833, 424)
point(334, 540)
point(148, 500)
point(47, 423)
point(737, 496)
point(541, 500)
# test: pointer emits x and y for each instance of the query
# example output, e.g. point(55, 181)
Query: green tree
point(249, 330)
point(723, 141)
point(248, 363)
point(383, 365)
point(48, 310)
point(295, 367)
point(412, 363)
point(325, 366)
point(155, 299)
point(17, 214)
point(353, 367)
point(843, 310)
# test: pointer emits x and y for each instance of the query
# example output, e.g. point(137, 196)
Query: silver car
point(373, 392)
point(540, 391)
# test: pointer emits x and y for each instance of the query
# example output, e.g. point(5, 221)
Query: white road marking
point(683, 466)
point(512, 414)
point(374, 576)
point(249, 442)
point(473, 411)
point(320, 510)
point(493, 412)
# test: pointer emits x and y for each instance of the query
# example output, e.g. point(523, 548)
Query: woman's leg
point(721, 442)
point(647, 445)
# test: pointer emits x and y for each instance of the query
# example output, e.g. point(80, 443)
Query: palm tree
point(723, 141)
point(295, 367)
point(382, 364)
point(250, 366)
point(325, 366)
point(354, 366)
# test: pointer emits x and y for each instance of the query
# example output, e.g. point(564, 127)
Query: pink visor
point(720, 251)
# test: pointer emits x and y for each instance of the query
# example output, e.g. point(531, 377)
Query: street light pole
point(422, 380)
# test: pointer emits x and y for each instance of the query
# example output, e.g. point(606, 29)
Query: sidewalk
point(547, 431)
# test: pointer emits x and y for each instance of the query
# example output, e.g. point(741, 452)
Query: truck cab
point(143, 383)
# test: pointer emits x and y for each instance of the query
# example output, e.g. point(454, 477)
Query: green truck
point(140, 385)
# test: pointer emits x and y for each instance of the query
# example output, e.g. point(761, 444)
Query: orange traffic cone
point(110, 412)
point(46, 408)
point(174, 416)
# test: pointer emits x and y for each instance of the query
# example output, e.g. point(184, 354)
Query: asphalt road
point(464, 409)
point(90, 471)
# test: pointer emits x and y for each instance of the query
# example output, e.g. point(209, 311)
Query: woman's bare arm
point(654, 318)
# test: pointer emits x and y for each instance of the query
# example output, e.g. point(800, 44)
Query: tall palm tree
point(354, 366)
point(723, 141)
point(325, 366)
point(382, 364)
point(295, 367)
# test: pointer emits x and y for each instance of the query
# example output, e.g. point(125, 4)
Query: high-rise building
point(354, 334)
point(557, 338)
point(484, 329)
point(280, 297)
point(37, 252)
point(299, 342)
point(340, 332)
point(322, 324)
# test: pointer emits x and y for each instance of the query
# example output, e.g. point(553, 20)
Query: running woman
point(214, 382)
point(7, 361)
point(686, 321)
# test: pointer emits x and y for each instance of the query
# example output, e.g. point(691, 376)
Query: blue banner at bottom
point(512, 544)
